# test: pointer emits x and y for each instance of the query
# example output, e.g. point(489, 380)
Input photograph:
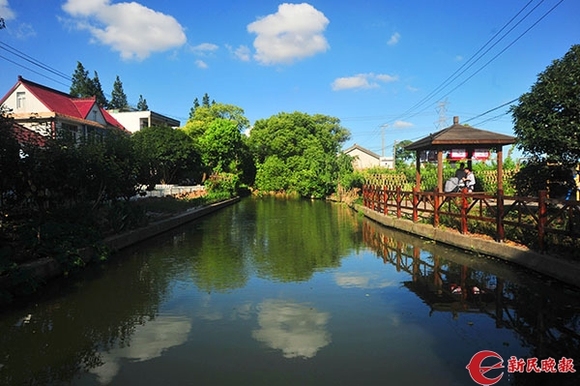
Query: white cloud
point(292, 33)
point(242, 53)
point(362, 81)
point(24, 31)
point(402, 124)
point(394, 39)
point(132, 29)
point(204, 48)
point(201, 64)
point(5, 12)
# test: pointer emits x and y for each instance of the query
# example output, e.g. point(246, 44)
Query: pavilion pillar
point(439, 171)
point(418, 170)
point(499, 151)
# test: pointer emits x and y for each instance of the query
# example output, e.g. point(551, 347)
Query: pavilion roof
point(457, 135)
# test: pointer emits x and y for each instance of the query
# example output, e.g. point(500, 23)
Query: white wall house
point(363, 158)
point(47, 112)
point(136, 120)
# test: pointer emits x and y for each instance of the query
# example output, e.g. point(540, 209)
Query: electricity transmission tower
point(442, 111)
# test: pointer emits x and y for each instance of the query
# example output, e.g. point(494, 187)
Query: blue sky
point(390, 70)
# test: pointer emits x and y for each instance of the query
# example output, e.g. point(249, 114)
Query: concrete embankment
point(124, 240)
point(45, 269)
point(558, 268)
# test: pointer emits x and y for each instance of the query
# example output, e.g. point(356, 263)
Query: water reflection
point(545, 315)
point(299, 330)
point(318, 294)
point(148, 341)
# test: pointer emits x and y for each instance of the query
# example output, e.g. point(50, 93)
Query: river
point(277, 292)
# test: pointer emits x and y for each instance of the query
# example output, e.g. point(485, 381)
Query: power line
point(31, 60)
point(505, 49)
point(31, 70)
point(490, 110)
point(461, 69)
point(452, 78)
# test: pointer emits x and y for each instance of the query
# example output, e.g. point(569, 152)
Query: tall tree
point(402, 156)
point(142, 104)
point(546, 119)
point(118, 97)
point(221, 144)
point(205, 115)
point(301, 146)
point(97, 91)
point(166, 155)
point(205, 100)
point(193, 108)
point(81, 86)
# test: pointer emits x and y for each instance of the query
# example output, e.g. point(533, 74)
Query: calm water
point(271, 292)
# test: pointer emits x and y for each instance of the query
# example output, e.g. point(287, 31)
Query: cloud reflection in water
point(297, 329)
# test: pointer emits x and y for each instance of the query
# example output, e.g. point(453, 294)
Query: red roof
point(62, 103)
point(25, 136)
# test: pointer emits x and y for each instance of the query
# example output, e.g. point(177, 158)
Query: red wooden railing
point(541, 214)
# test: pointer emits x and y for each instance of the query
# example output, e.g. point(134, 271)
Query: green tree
point(205, 115)
point(547, 118)
point(118, 97)
point(165, 155)
point(81, 85)
point(142, 104)
point(97, 91)
point(193, 108)
point(205, 100)
point(9, 157)
point(402, 156)
point(221, 144)
point(307, 144)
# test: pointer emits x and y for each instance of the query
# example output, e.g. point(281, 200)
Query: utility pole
point(383, 127)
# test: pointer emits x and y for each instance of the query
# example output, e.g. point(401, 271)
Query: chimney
point(456, 120)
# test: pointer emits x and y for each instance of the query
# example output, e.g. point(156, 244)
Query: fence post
point(500, 231)
point(415, 204)
point(464, 205)
point(364, 194)
point(436, 210)
point(385, 208)
point(398, 199)
point(542, 217)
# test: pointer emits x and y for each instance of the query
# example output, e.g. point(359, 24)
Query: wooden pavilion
point(459, 136)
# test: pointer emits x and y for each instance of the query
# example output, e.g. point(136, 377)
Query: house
point(50, 112)
point(136, 120)
point(364, 158)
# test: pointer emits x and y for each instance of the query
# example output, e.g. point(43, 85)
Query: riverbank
point(558, 268)
point(46, 269)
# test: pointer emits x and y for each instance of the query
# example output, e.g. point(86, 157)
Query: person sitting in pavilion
point(469, 180)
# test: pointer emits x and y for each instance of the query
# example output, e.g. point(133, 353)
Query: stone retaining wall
point(45, 269)
point(557, 268)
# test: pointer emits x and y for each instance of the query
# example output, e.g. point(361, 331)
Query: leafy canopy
point(204, 115)
point(297, 152)
point(547, 118)
point(166, 155)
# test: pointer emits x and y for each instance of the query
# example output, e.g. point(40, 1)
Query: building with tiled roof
point(49, 112)
point(363, 158)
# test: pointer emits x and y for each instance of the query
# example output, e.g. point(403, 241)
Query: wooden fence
point(467, 212)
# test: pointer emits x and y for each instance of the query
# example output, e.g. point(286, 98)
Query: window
point(144, 122)
point(20, 100)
